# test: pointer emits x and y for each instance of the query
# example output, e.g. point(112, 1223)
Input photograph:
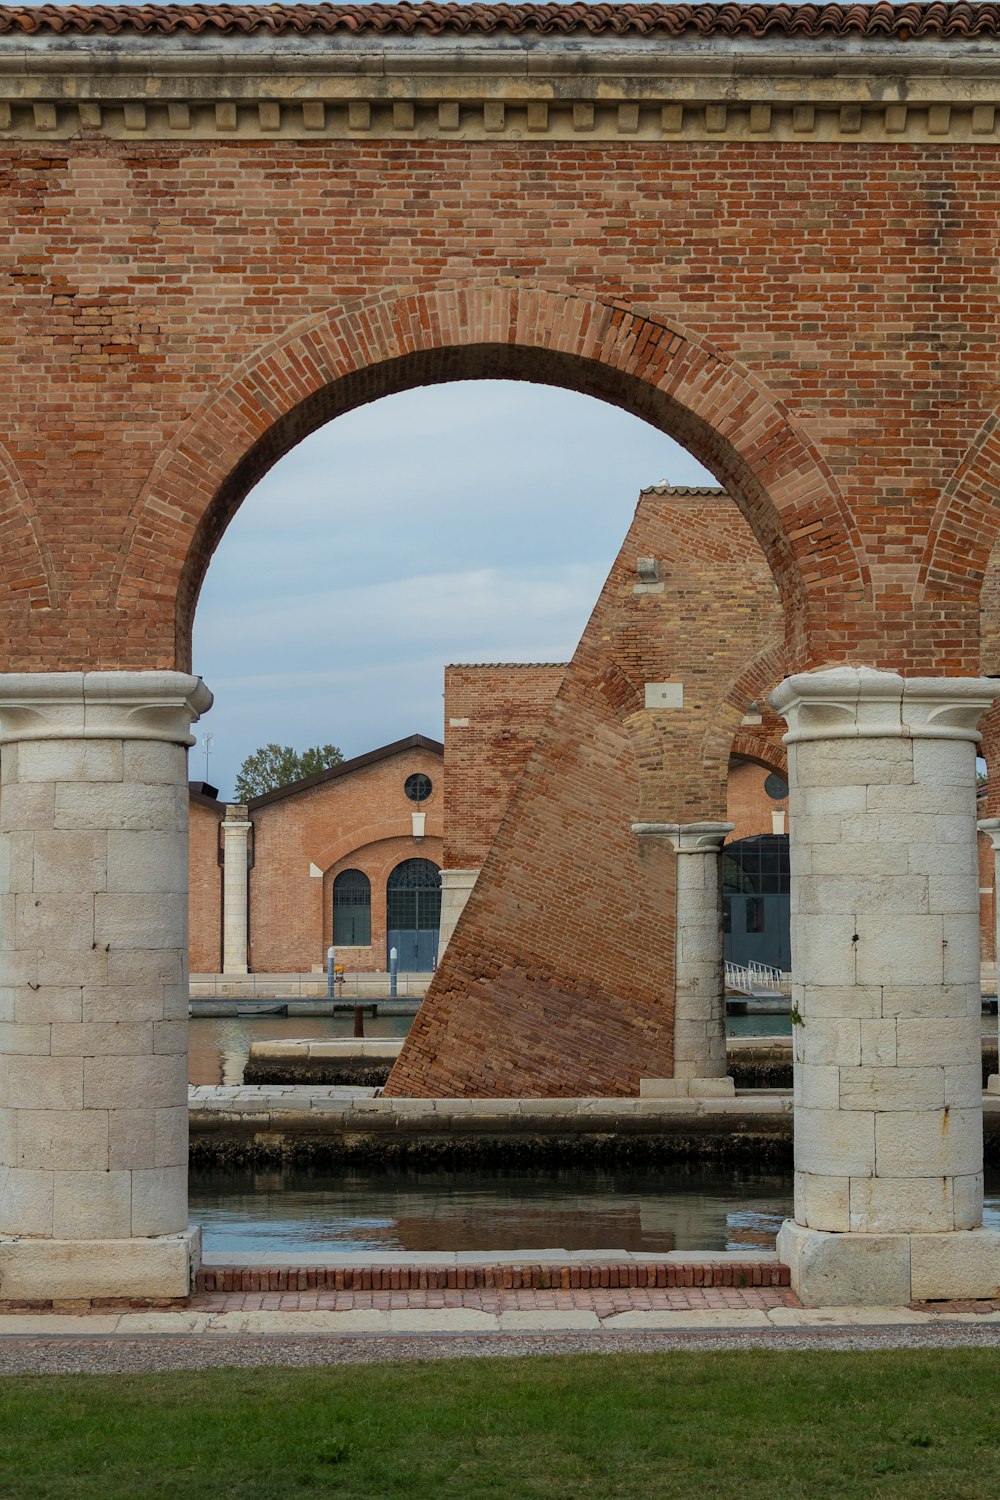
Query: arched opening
point(352, 910)
point(413, 914)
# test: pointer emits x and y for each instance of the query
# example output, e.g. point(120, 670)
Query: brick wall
point(747, 803)
point(193, 308)
point(205, 885)
point(492, 716)
point(559, 977)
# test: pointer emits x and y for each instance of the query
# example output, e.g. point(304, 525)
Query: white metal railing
point(753, 979)
point(738, 979)
point(302, 986)
point(765, 976)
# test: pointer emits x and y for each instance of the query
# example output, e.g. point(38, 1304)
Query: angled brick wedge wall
point(559, 977)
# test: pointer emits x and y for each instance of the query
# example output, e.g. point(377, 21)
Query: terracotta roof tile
point(943, 18)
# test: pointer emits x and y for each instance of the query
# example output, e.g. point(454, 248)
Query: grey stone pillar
point(235, 877)
point(699, 967)
point(991, 827)
point(886, 994)
point(456, 888)
point(93, 983)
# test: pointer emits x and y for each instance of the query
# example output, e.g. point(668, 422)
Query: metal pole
point(393, 971)
point(331, 958)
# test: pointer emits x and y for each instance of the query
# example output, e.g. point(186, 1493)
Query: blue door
point(413, 915)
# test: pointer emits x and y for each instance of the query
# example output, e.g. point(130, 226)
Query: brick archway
point(26, 565)
point(962, 549)
point(599, 347)
point(726, 737)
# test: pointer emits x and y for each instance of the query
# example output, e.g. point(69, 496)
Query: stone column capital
point(991, 827)
point(235, 821)
point(687, 838)
point(862, 703)
point(101, 706)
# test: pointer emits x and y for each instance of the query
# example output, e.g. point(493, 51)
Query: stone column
point(456, 888)
point(699, 968)
point(886, 994)
point(93, 983)
point(991, 826)
point(235, 875)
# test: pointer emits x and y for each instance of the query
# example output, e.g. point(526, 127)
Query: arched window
point(413, 913)
point(352, 910)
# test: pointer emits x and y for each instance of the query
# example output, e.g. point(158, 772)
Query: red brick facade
point(204, 885)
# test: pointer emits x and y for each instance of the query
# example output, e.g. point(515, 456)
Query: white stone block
point(900, 950)
point(152, 966)
point(822, 1202)
point(816, 1087)
point(132, 1003)
point(818, 800)
point(135, 1082)
point(154, 762)
point(964, 1264)
point(831, 1001)
point(850, 894)
point(46, 1003)
point(810, 829)
point(836, 1041)
point(881, 1205)
point(835, 1143)
point(60, 922)
point(131, 1139)
point(60, 966)
point(968, 1201)
point(74, 1140)
point(952, 894)
point(953, 1041)
point(928, 1000)
point(17, 861)
point(172, 1137)
point(60, 1269)
point(31, 806)
point(147, 861)
point(843, 1270)
point(171, 1036)
point(963, 1086)
point(140, 920)
point(918, 798)
point(845, 858)
point(91, 1205)
point(8, 1137)
point(159, 1200)
point(103, 1039)
point(867, 762)
point(69, 761)
point(25, 1204)
point(113, 805)
point(925, 1143)
point(41, 1083)
point(961, 947)
point(69, 861)
point(888, 1088)
point(944, 762)
point(878, 1044)
point(824, 949)
point(31, 1040)
point(941, 859)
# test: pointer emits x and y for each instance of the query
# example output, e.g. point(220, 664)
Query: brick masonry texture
point(191, 310)
point(632, 1273)
point(559, 978)
point(204, 886)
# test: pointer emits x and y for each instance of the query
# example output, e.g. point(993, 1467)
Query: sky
point(475, 521)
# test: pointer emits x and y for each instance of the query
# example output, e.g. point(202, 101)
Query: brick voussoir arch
point(25, 565)
point(962, 539)
point(603, 347)
point(727, 737)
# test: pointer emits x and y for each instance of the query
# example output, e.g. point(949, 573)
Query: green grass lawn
point(744, 1426)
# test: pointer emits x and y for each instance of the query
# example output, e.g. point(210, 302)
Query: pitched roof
point(942, 18)
point(370, 758)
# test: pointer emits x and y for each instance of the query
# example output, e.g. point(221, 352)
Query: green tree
point(278, 765)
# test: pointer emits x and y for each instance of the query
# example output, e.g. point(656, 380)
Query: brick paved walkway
point(605, 1302)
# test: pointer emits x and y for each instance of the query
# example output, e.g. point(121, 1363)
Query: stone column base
point(34, 1270)
point(889, 1270)
point(687, 1088)
point(993, 1084)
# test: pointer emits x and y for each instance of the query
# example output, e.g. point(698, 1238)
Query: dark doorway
point(756, 901)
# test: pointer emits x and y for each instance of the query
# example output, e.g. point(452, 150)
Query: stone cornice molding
point(563, 83)
point(861, 703)
point(687, 838)
point(100, 706)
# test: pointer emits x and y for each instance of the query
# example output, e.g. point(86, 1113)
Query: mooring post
point(393, 972)
point(331, 957)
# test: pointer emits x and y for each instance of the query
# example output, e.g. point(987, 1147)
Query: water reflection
point(220, 1045)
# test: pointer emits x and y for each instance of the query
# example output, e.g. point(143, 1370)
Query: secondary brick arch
point(962, 541)
point(597, 346)
point(26, 577)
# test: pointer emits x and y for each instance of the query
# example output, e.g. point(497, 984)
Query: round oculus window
point(417, 787)
point(776, 787)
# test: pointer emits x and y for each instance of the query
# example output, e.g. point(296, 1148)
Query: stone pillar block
point(93, 980)
point(885, 953)
point(991, 827)
point(235, 893)
point(699, 972)
point(456, 888)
